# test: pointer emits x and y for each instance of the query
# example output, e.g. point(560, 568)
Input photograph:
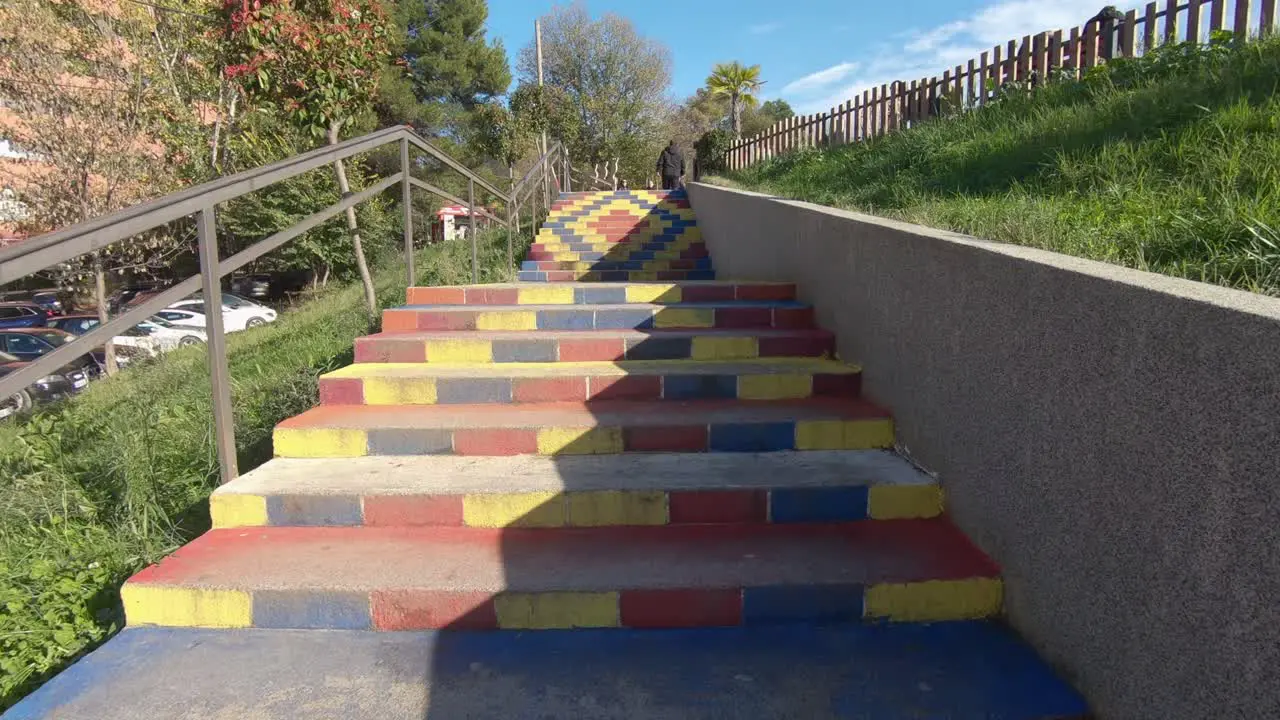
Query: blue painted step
point(957, 671)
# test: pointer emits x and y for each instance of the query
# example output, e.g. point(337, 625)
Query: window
point(55, 338)
point(25, 345)
point(8, 313)
point(173, 315)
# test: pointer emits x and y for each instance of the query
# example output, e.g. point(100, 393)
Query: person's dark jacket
point(671, 162)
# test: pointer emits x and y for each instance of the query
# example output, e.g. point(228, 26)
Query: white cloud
point(821, 79)
point(764, 28)
point(917, 53)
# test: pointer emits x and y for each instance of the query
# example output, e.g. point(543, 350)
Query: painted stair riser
point(333, 442)
point(399, 349)
point(594, 256)
point(588, 508)
point(612, 264)
point(396, 610)
point(426, 390)
point(571, 318)
point(638, 293)
point(660, 251)
point(614, 275)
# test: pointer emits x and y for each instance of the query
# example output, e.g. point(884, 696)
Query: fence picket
point(1171, 21)
point(1055, 51)
point(1241, 25)
point(1193, 20)
point(1090, 46)
point(1267, 17)
point(1129, 34)
point(1149, 28)
point(1218, 14)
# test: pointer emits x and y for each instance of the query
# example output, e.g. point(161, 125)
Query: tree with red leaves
point(315, 62)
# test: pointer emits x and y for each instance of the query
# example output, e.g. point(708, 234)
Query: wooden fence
point(1108, 34)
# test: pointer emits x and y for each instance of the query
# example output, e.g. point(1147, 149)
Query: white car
point(237, 314)
point(157, 335)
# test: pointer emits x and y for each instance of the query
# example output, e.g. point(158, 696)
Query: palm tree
point(740, 83)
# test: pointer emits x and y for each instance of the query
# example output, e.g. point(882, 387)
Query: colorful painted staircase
point(682, 461)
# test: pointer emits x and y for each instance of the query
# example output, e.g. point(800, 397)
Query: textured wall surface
point(1111, 437)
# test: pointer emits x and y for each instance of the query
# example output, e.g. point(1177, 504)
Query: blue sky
point(814, 53)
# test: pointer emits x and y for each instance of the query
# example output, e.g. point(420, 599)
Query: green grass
point(118, 477)
point(1168, 163)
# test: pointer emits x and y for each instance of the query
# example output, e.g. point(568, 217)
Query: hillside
point(1168, 163)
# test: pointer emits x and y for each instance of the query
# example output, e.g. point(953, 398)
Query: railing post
point(511, 200)
point(406, 199)
point(471, 222)
point(224, 428)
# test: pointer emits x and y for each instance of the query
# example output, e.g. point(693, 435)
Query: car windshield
point(153, 320)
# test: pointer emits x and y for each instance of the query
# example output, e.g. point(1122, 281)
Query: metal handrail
point(49, 249)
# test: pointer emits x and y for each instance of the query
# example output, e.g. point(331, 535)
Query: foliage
point(740, 84)
point(1168, 163)
point(316, 62)
point(546, 109)
point(756, 120)
point(615, 79)
point(105, 100)
point(451, 67)
point(324, 251)
point(711, 149)
point(100, 486)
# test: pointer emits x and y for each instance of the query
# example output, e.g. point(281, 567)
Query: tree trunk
point(100, 294)
point(345, 189)
point(735, 108)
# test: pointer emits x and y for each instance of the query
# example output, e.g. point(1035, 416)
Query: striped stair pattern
point(634, 453)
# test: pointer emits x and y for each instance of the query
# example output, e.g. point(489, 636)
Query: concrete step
point(599, 293)
point(779, 315)
point(586, 345)
point(372, 578)
point(602, 427)
point(606, 265)
point(896, 671)
point(472, 379)
point(659, 250)
point(651, 489)
point(613, 275)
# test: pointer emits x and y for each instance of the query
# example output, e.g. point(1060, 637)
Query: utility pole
point(537, 41)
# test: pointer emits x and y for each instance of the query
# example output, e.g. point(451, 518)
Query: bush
point(100, 486)
point(1168, 163)
point(711, 149)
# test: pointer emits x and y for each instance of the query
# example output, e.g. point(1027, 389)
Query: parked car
point(254, 286)
point(242, 315)
point(46, 389)
point(156, 335)
point(22, 314)
point(127, 297)
point(75, 324)
point(28, 344)
point(47, 299)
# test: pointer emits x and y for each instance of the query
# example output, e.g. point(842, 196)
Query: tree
point(103, 103)
point(316, 62)
point(757, 120)
point(740, 84)
point(615, 79)
point(451, 66)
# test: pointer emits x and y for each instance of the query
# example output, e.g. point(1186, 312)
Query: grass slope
point(101, 486)
point(1168, 163)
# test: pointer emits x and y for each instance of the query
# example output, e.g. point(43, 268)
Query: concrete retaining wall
point(1111, 437)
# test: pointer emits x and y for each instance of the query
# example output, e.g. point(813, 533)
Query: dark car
point(75, 324)
point(132, 295)
point(27, 344)
point(48, 299)
point(47, 389)
point(22, 315)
